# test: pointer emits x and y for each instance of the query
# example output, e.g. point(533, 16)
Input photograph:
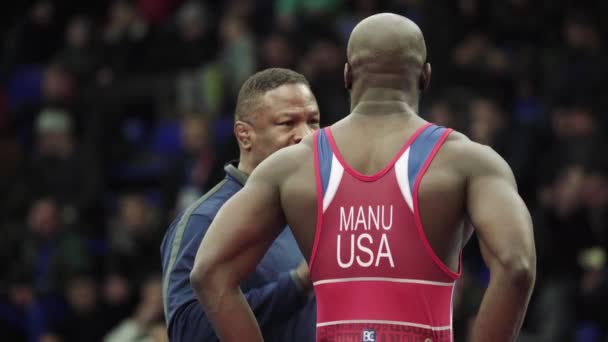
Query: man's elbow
point(210, 278)
point(211, 282)
point(520, 271)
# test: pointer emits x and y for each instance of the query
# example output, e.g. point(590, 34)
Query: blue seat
point(25, 85)
point(166, 139)
point(588, 332)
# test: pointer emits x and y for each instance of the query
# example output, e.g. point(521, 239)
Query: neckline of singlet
point(383, 171)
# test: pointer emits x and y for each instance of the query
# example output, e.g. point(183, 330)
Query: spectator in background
point(595, 197)
point(470, 15)
point(50, 250)
point(575, 129)
point(61, 170)
point(561, 233)
point(192, 44)
point(525, 30)
point(194, 170)
point(347, 21)
point(581, 63)
point(308, 14)
point(528, 107)
point(479, 64)
point(146, 324)
point(18, 305)
point(574, 133)
point(56, 88)
point(124, 40)
point(119, 296)
point(450, 111)
point(572, 286)
point(12, 194)
point(134, 239)
point(560, 222)
point(412, 9)
point(59, 87)
point(277, 52)
point(156, 11)
point(192, 47)
point(79, 52)
point(203, 90)
point(552, 312)
point(238, 55)
point(564, 237)
point(85, 319)
point(323, 66)
point(488, 124)
point(35, 37)
point(593, 260)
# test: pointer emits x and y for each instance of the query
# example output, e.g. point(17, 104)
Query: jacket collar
point(234, 172)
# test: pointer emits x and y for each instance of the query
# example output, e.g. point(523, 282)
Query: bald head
point(387, 44)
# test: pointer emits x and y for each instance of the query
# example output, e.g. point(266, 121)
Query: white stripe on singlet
point(385, 279)
point(335, 176)
point(401, 171)
point(371, 321)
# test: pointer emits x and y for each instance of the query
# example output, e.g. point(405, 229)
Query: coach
point(275, 108)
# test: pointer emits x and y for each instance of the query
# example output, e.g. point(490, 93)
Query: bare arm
point(237, 239)
point(504, 229)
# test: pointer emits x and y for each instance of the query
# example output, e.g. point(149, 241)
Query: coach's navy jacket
point(282, 310)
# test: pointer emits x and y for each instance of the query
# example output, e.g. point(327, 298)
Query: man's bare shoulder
point(474, 159)
point(285, 162)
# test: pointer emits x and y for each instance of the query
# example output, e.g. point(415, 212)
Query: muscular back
point(368, 145)
point(464, 179)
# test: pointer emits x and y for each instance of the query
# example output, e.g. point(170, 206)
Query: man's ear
point(425, 77)
point(348, 76)
point(244, 134)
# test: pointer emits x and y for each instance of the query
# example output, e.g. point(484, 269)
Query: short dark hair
point(261, 82)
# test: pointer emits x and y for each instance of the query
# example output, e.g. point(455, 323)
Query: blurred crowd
point(115, 115)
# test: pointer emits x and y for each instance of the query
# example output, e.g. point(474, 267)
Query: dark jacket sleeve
point(187, 319)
